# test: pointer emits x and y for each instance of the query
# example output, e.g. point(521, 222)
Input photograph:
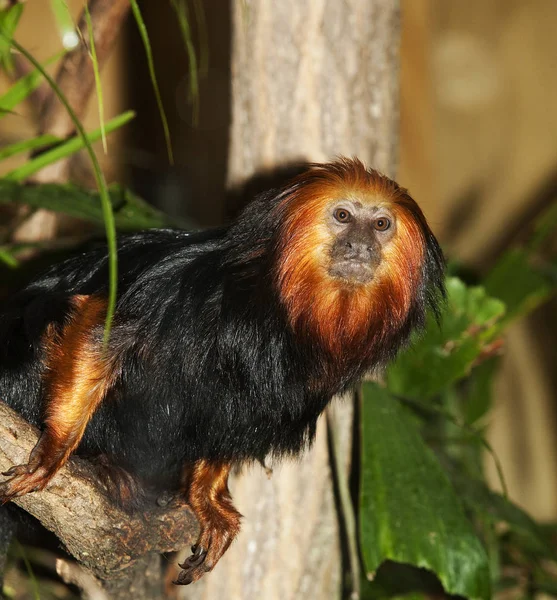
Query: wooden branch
point(101, 537)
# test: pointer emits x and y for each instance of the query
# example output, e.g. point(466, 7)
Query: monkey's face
point(355, 255)
point(359, 232)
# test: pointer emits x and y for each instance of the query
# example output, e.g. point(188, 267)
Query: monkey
point(226, 345)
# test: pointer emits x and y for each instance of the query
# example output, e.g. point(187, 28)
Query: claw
point(184, 578)
point(198, 556)
point(17, 470)
point(193, 567)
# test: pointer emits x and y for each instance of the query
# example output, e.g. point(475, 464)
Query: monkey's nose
point(358, 251)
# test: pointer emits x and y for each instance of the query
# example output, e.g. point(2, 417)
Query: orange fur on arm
point(78, 374)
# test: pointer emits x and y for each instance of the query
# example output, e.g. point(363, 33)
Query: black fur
point(210, 367)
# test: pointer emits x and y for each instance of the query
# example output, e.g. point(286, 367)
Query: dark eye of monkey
point(342, 215)
point(382, 224)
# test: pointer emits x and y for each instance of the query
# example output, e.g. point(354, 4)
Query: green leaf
point(96, 71)
point(181, 9)
point(131, 213)
point(520, 283)
point(66, 148)
point(478, 393)
point(9, 18)
point(495, 508)
point(28, 145)
point(8, 258)
point(444, 354)
point(23, 88)
point(202, 34)
point(409, 510)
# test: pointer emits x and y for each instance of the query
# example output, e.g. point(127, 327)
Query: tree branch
point(100, 536)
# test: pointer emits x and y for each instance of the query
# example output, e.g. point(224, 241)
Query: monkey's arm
point(77, 377)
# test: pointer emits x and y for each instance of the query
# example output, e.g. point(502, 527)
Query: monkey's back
point(204, 365)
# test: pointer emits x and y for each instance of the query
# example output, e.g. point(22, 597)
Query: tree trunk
point(310, 81)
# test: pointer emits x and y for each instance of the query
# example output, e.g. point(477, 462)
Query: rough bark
point(310, 81)
point(110, 544)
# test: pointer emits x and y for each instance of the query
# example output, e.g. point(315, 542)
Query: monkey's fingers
point(197, 557)
point(192, 566)
point(212, 544)
point(23, 479)
point(18, 470)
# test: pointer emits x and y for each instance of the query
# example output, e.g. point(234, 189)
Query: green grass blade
point(27, 145)
point(66, 149)
point(23, 88)
point(181, 10)
point(108, 215)
point(9, 18)
point(8, 258)
point(149, 54)
point(66, 26)
point(203, 37)
point(98, 87)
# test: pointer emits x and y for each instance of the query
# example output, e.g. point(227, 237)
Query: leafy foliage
point(424, 502)
point(448, 353)
point(409, 511)
point(131, 213)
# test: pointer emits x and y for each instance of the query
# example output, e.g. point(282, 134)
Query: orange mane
point(347, 318)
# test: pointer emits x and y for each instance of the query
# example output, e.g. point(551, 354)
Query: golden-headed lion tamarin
point(226, 345)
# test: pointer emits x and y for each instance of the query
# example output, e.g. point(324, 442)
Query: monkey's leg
point(210, 499)
point(78, 375)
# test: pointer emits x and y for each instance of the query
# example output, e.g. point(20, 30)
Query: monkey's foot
point(31, 477)
point(212, 544)
point(23, 479)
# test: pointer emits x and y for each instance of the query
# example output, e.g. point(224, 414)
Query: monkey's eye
point(381, 224)
point(342, 215)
